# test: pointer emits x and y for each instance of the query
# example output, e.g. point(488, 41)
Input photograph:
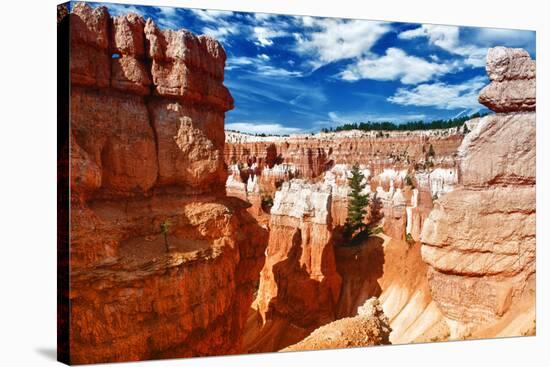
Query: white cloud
point(265, 128)
point(264, 35)
point(448, 38)
point(442, 95)
point(338, 39)
point(121, 9)
point(264, 57)
point(211, 16)
point(221, 33)
point(167, 11)
point(260, 66)
point(168, 17)
point(268, 70)
point(263, 17)
point(395, 65)
point(308, 21)
point(236, 61)
point(333, 116)
point(440, 35)
point(217, 26)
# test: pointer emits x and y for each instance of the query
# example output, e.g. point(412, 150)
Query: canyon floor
point(257, 260)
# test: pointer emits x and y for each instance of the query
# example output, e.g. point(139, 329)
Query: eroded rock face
point(147, 142)
point(136, 142)
point(188, 66)
point(299, 282)
point(479, 240)
point(90, 61)
point(513, 81)
point(189, 146)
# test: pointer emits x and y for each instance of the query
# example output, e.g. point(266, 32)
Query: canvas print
point(233, 183)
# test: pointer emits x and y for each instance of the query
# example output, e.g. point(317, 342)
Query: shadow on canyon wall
point(360, 268)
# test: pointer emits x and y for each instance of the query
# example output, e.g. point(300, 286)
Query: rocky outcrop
point(513, 81)
point(299, 282)
point(147, 143)
point(479, 240)
point(370, 327)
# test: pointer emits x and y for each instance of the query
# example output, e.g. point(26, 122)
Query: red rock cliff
point(147, 144)
point(479, 241)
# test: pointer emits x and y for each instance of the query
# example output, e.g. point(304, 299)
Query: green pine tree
point(357, 205)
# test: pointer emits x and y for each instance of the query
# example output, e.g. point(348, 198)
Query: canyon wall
point(147, 149)
point(312, 154)
point(479, 240)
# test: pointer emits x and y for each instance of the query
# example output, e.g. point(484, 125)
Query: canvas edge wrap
point(63, 194)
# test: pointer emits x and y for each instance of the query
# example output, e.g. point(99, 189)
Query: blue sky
point(291, 74)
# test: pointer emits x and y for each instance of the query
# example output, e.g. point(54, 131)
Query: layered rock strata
point(276, 159)
point(479, 240)
point(147, 143)
point(311, 155)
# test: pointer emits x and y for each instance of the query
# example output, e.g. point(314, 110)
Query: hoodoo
point(479, 240)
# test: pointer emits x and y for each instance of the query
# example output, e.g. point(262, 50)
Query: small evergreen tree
point(409, 181)
point(164, 228)
point(267, 203)
point(357, 204)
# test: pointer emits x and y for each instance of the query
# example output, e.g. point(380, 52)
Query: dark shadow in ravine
point(360, 268)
